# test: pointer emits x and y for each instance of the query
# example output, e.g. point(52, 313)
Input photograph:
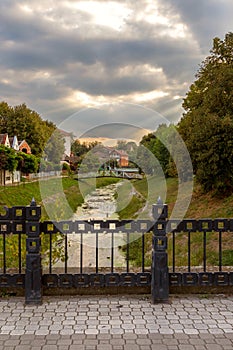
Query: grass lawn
point(134, 201)
point(48, 189)
point(201, 206)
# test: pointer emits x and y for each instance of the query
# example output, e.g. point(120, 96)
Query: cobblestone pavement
point(117, 323)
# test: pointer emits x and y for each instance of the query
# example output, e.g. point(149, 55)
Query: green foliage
point(90, 163)
point(166, 150)
point(22, 195)
point(122, 145)
point(26, 125)
point(54, 148)
point(207, 124)
point(135, 249)
point(66, 167)
point(27, 163)
point(8, 159)
point(12, 160)
point(78, 149)
point(131, 210)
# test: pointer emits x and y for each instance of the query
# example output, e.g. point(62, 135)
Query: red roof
point(3, 139)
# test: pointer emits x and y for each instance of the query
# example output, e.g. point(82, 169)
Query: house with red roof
point(4, 140)
point(120, 156)
point(12, 142)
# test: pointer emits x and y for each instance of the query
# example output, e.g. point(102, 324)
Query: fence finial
point(33, 202)
point(159, 200)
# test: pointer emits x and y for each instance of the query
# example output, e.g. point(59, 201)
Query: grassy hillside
point(201, 206)
point(22, 194)
point(132, 197)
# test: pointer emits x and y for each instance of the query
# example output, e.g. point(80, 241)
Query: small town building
point(7, 177)
point(120, 156)
point(4, 140)
point(24, 147)
point(67, 136)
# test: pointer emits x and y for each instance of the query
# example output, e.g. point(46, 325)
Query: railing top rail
point(85, 226)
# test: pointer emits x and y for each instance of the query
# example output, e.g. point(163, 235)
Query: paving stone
point(214, 347)
point(188, 322)
point(49, 347)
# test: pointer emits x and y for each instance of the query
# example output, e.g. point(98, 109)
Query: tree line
point(43, 137)
point(206, 126)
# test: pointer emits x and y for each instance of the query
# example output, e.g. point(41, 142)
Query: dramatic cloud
point(60, 57)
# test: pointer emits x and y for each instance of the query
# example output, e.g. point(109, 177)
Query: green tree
point(90, 163)
point(160, 147)
point(145, 160)
point(121, 145)
point(79, 149)
point(207, 123)
point(8, 159)
point(163, 145)
point(27, 125)
point(27, 163)
point(3, 158)
point(55, 148)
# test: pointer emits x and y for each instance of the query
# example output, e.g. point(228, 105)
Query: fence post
point(159, 269)
point(33, 273)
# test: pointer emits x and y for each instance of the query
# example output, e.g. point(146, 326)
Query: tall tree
point(165, 147)
point(55, 148)
point(8, 159)
point(26, 125)
point(207, 124)
point(27, 163)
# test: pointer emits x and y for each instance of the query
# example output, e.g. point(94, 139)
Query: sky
point(85, 64)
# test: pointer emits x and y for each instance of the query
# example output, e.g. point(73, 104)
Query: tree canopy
point(55, 148)
point(163, 144)
point(26, 125)
point(8, 159)
point(27, 163)
point(207, 124)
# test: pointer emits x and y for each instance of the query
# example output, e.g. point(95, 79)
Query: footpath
point(118, 322)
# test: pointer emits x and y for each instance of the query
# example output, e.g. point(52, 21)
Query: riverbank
point(129, 200)
point(23, 194)
point(99, 204)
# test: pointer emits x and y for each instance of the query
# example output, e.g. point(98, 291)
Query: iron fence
point(62, 273)
point(158, 253)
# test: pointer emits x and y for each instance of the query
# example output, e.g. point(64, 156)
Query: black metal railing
point(36, 254)
point(62, 273)
point(95, 229)
point(209, 252)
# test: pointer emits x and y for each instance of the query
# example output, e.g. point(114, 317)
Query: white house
point(6, 177)
point(67, 136)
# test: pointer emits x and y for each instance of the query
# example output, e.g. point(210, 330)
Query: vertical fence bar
point(220, 251)
point(33, 273)
point(20, 254)
point(159, 269)
point(127, 253)
point(173, 251)
point(143, 252)
point(112, 252)
point(189, 251)
point(66, 253)
point(4, 252)
point(96, 253)
point(50, 252)
point(204, 251)
point(81, 252)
